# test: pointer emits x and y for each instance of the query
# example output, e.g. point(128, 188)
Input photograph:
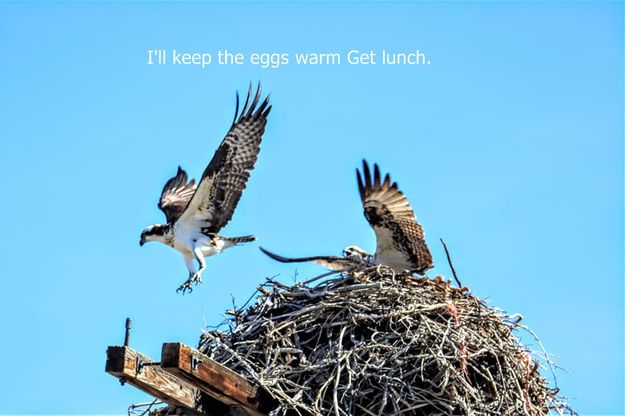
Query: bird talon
point(184, 287)
point(196, 278)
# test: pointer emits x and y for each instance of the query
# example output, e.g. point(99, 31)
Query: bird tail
point(238, 240)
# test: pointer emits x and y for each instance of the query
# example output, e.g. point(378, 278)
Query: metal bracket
point(139, 364)
point(195, 362)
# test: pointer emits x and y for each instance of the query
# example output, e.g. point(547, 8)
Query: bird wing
point(176, 195)
point(399, 235)
point(330, 262)
point(225, 177)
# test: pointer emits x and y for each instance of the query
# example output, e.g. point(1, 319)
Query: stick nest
point(376, 343)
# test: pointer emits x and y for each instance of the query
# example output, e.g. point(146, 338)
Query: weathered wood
point(122, 362)
point(214, 379)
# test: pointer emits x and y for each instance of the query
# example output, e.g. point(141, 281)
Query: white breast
point(387, 254)
point(188, 238)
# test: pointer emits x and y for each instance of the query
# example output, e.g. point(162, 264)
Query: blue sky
point(509, 146)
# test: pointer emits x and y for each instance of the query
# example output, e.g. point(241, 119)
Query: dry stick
point(339, 354)
point(321, 276)
point(453, 270)
point(234, 355)
point(148, 406)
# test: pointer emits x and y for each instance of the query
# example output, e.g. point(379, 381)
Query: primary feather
point(176, 195)
point(226, 176)
point(400, 238)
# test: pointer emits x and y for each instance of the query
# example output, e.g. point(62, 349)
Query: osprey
point(400, 238)
point(196, 214)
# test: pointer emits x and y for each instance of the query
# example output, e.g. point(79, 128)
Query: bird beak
point(141, 242)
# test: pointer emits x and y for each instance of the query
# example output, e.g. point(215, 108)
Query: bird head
point(153, 233)
point(355, 252)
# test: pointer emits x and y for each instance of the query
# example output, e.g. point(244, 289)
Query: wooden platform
point(187, 379)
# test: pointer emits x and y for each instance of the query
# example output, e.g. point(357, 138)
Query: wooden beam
point(214, 379)
point(122, 362)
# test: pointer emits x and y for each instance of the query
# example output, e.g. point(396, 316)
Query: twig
point(453, 270)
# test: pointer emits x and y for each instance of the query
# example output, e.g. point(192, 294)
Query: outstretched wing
point(400, 238)
point(176, 195)
point(330, 262)
point(225, 177)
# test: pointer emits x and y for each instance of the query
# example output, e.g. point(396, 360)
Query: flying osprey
point(195, 214)
point(400, 238)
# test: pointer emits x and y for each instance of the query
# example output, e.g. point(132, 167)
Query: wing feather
point(176, 195)
point(226, 176)
point(399, 235)
point(330, 262)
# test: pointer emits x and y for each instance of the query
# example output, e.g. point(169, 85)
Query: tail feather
point(238, 240)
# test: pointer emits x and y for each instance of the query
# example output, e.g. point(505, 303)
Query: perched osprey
point(195, 214)
point(400, 238)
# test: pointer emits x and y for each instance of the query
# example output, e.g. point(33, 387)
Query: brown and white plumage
point(400, 238)
point(176, 195)
point(226, 176)
point(195, 214)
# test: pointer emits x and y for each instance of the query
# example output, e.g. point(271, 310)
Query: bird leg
point(194, 277)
